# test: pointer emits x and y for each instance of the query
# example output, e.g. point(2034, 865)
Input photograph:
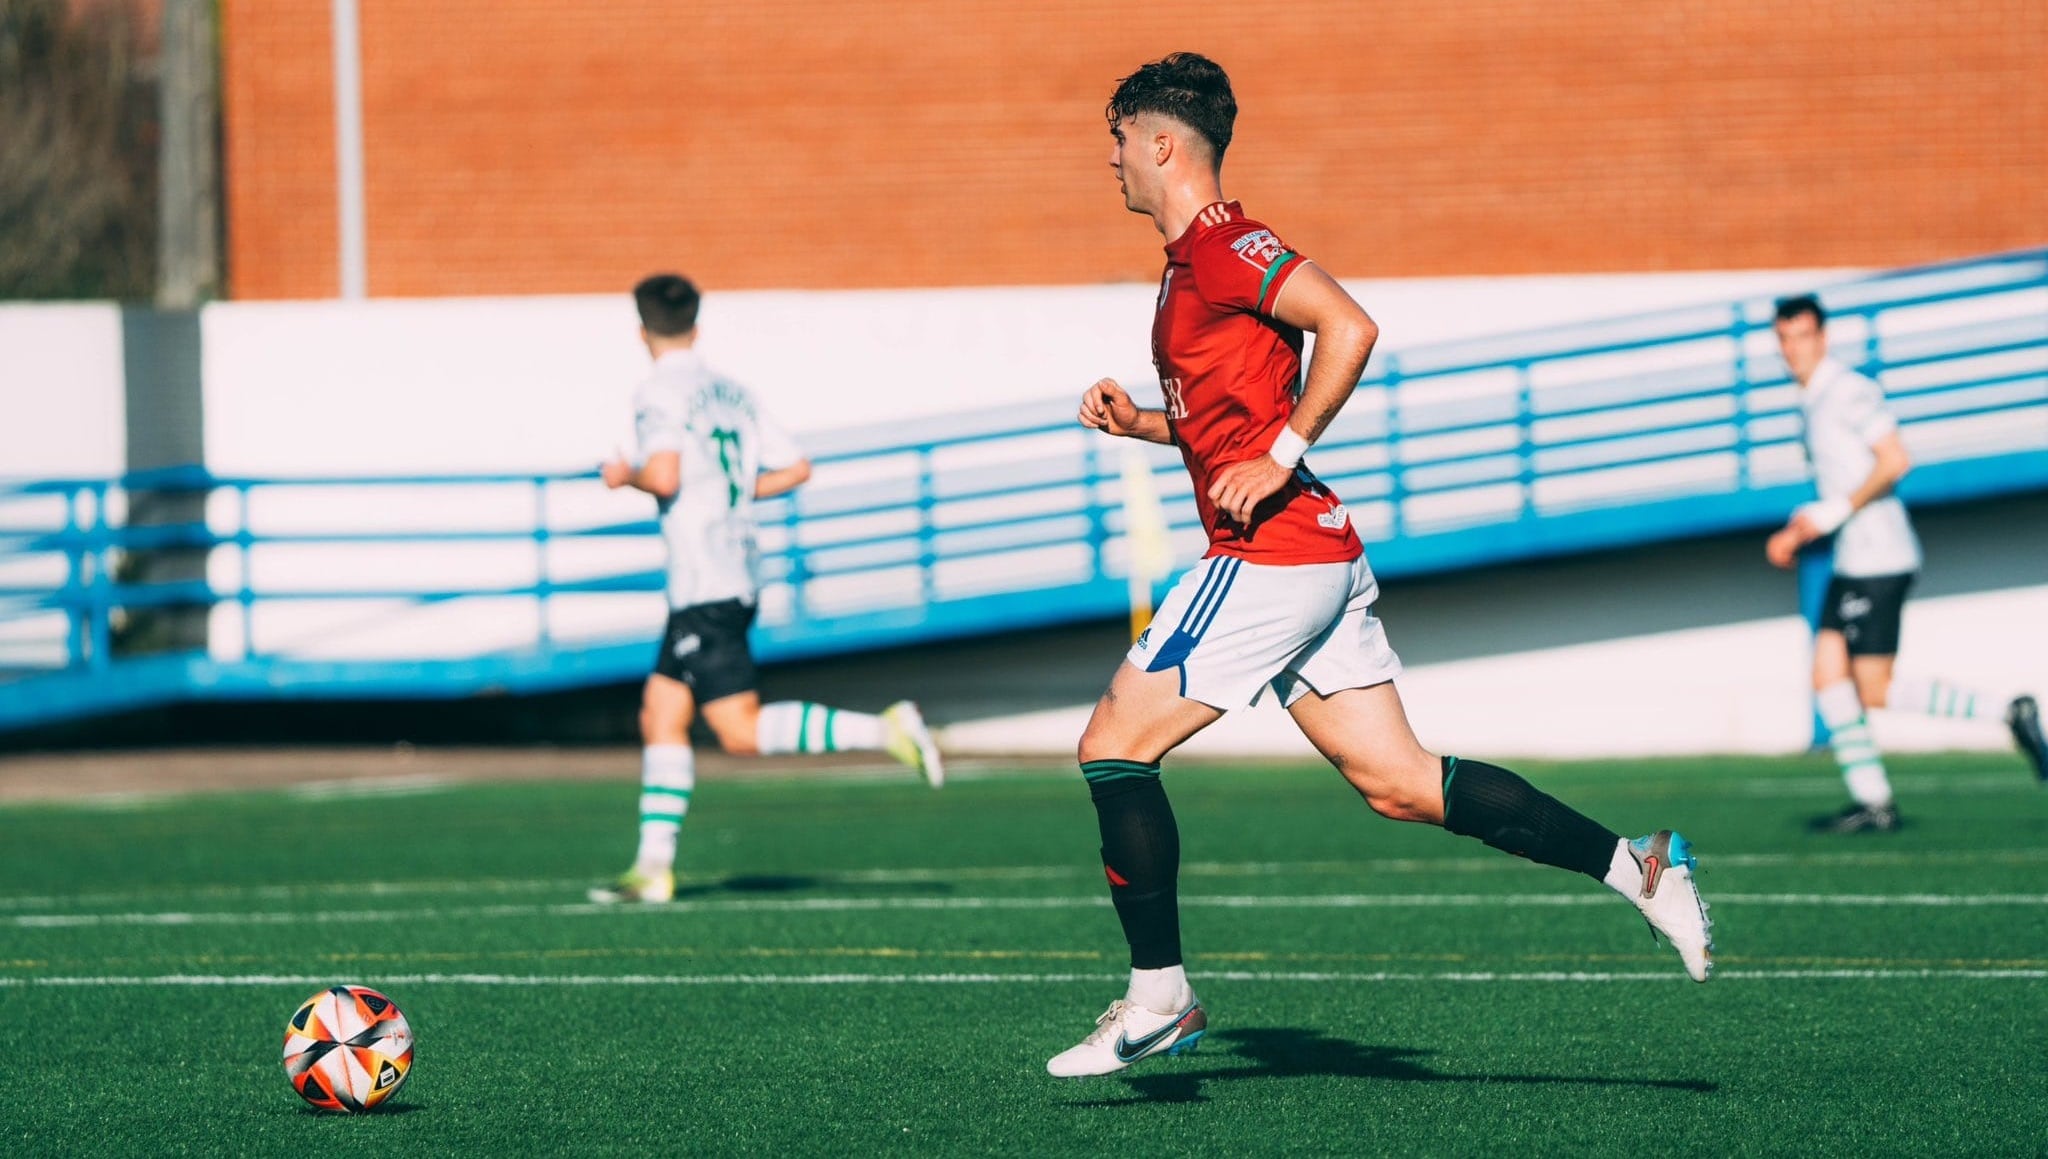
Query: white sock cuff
point(780, 727)
point(1624, 876)
point(1839, 705)
point(1160, 991)
point(668, 766)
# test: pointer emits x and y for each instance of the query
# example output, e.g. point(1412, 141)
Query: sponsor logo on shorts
point(1855, 607)
point(687, 646)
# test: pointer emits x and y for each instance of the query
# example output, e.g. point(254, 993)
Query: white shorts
point(1234, 629)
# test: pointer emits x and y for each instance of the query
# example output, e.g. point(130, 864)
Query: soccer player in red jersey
point(1283, 599)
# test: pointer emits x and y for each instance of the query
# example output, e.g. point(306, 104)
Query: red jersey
point(1229, 370)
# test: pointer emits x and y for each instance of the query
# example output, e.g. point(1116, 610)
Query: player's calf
point(1503, 810)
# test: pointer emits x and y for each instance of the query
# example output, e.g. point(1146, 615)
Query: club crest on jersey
point(1335, 518)
point(1259, 248)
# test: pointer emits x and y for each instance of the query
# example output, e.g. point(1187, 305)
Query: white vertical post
point(348, 151)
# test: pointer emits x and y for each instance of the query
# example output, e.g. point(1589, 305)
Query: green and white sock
point(1855, 752)
point(668, 775)
point(1940, 698)
point(798, 726)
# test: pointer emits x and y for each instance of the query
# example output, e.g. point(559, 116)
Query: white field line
point(1363, 867)
point(1365, 977)
point(978, 769)
point(903, 904)
point(1967, 784)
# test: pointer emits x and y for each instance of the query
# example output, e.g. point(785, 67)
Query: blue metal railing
point(1575, 438)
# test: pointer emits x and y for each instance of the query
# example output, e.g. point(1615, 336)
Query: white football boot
point(1670, 902)
point(637, 885)
point(1127, 1032)
point(909, 741)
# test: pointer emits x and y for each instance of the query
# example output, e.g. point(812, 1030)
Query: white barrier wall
point(63, 410)
point(1739, 688)
point(543, 383)
point(62, 413)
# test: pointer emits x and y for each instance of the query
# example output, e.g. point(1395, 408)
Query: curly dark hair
point(1186, 86)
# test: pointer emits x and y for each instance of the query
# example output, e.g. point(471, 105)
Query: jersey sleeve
point(1243, 267)
point(1866, 413)
point(658, 420)
point(778, 448)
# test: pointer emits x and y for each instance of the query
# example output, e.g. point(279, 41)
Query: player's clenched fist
point(1106, 407)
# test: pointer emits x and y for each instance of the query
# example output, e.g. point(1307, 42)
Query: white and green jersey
point(723, 440)
point(1845, 417)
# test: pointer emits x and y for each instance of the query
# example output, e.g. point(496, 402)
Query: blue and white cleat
point(1126, 1033)
point(1670, 902)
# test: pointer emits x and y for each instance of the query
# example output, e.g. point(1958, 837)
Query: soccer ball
point(347, 1049)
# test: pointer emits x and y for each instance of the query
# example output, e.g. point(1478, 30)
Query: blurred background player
point(1853, 442)
point(1283, 598)
point(705, 451)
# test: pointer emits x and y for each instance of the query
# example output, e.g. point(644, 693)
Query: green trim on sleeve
point(1273, 272)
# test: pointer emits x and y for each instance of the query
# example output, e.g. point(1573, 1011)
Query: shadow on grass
point(1282, 1053)
point(759, 883)
point(404, 1108)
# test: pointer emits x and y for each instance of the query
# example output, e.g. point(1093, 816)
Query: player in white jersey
point(1853, 442)
point(706, 452)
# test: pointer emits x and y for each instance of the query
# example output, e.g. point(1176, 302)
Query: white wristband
point(1288, 449)
point(1827, 515)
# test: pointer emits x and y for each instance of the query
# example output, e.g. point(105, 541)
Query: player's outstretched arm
point(1108, 408)
point(769, 484)
point(659, 476)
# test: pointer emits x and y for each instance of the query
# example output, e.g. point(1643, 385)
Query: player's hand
point(1782, 549)
point(1106, 407)
point(1239, 488)
point(617, 473)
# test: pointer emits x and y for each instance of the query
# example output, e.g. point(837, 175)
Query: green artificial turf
point(862, 966)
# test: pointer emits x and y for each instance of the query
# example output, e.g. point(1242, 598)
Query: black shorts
point(705, 647)
point(1866, 610)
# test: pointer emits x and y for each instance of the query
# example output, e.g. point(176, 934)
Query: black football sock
point(1140, 856)
point(1512, 815)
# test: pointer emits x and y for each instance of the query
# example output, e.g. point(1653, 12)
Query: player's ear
point(1163, 147)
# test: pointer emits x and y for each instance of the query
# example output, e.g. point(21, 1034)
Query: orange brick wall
point(544, 146)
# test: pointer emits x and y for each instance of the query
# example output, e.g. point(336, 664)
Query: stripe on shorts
point(1200, 614)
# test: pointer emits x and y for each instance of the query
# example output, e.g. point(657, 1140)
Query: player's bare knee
point(1400, 804)
point(1391, 795)
point(739, 742)
point(1101, 741)
point(1096, 745)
